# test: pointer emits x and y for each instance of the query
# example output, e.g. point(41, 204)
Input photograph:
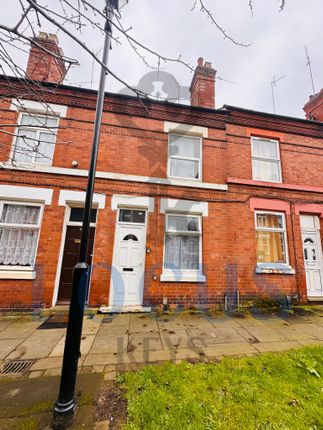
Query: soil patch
point(111, 405)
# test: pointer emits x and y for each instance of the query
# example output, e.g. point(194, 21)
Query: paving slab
point(214, 336)
point(116, 330)
point(7, 346)
point(6, 322)
point(172, 323)
point(23, 327)
point(312, 329)
point(109, 344)
point(51, 363)
point(245, 335)
point(310, 342)
point(142, 323)
point(86, 343)
point(229, 349)
point(161, 355)
point(317, 320)
point(276, 346)
point(175, 339)
point(263, 333)
point(294, 332)
point(249, 321)
point(116, 319)
point(144, 341)
point(38, 345)
point(198, 322)
point(91, 325)
point(224, 322)
point(190, 354)
point(114, 359)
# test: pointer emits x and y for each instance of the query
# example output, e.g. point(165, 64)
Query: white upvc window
point(271, 238)
point(19, 234)
point(35, 140)
point(266, 164)
point(184, 157)
point(183, 248)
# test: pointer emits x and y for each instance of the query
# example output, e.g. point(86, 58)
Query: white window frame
point(22, 269)
point(38, 130)
point(120, 208)
point(273, 160)
point(183, 275)
point(274, 229)
point(199, 160)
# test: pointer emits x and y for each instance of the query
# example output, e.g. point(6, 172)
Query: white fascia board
point(187, 183)
point(175, 127)
point(187, 206)
point(28, 194)
point(119, 200)
point(67, 197)
point(44, 108)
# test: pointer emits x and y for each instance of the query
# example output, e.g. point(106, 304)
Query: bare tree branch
point(210, 15)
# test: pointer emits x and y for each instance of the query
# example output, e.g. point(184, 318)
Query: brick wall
point(137, 145)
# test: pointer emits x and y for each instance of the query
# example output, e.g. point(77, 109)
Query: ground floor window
point(19, 231)
point(182, 243)
point(271, 237)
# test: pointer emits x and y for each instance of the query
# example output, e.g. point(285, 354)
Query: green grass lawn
point(270, 391)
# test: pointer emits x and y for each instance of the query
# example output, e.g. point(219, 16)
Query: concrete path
point(127, 341)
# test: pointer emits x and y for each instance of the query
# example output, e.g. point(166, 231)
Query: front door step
point(123, 309)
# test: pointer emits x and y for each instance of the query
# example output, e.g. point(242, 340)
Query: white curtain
point(182, 252)
point(264, 149)
point(17, 244)
point(184, 168)
point(265, 170)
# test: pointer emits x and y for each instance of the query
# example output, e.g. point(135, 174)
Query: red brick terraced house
point(194, 206)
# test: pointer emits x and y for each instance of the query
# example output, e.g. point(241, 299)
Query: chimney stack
point(314, 107)
point(42, 65)
point(202, 88)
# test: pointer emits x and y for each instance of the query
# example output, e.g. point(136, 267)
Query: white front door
point(312, 250)
point(128, 269)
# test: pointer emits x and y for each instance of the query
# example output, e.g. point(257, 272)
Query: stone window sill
point(280, 269)
point(182, 277)
point(17, 274)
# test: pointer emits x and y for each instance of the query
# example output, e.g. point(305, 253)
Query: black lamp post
point(66, 405)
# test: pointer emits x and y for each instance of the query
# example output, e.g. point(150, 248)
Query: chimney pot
point(42, 35)
point(202, 88)
point(53, 37)
point(200, 62)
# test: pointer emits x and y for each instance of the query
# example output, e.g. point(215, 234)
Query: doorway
point(127, 275)
point(71, 251)
point(312, 252)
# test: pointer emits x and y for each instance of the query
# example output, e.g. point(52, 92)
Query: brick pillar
point(42, 66)
point(202, 88)
point(314, 107)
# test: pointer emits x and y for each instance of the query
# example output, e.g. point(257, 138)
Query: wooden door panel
point(70, 258)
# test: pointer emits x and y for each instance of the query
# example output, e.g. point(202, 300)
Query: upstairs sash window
point(266, 165)
point(184, 157)
point(36, 138)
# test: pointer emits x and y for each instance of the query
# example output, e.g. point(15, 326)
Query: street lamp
point(66, 405)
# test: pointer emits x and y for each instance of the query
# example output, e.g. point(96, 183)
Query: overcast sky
point(171, 28)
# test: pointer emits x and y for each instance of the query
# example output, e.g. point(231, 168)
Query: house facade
point(193, 206)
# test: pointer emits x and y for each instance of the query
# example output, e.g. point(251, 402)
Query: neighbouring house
point(194, 205)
